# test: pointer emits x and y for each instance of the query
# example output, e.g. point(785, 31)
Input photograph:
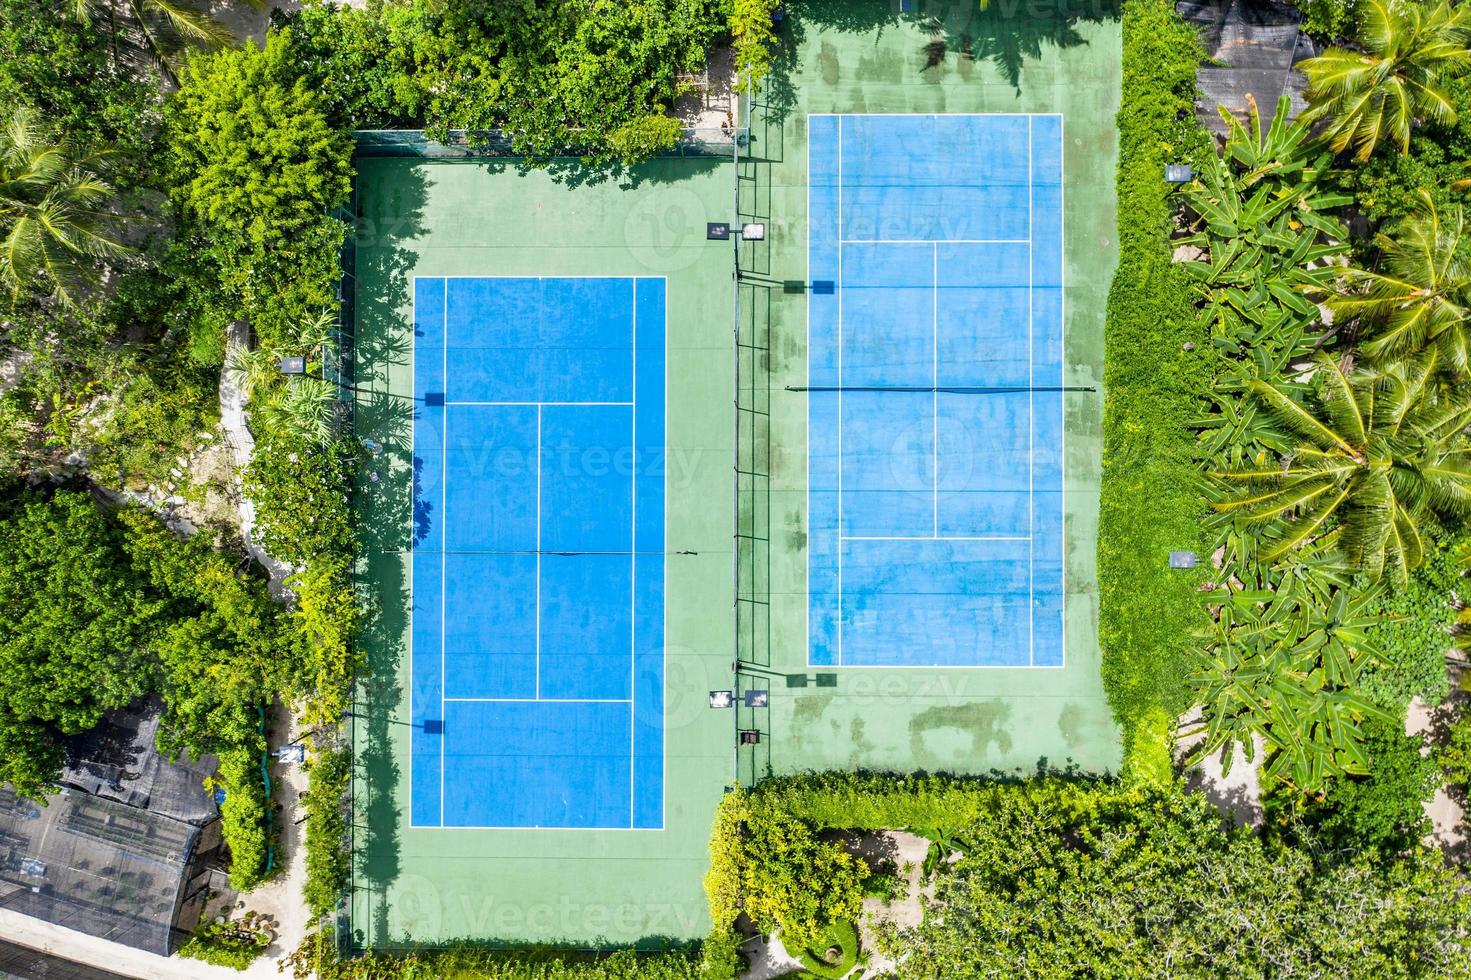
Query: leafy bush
point(300, 495)
point(105, 608)
point(643, 137)
point(225, 944)
point(751, 30)
point(326, 620)
point(243, 815)
point(781, 873)
point(841, 937)
point(1133, 883)
point(476, 963)
point(1388, 185)
point(1329, 18)
point(79, 77)
point(327, 858)
point(1150, 498)
point(1413, 634)
point(588, 78)
point(1380, 814)
point(78, 623)
point(260, 171)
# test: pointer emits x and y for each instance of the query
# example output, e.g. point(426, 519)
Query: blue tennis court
point(935, 391)
point(538, 556)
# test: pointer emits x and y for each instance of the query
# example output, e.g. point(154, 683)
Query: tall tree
point(55, 216)
point(1419, 294)
point(1377, 94)
point(1375, 453)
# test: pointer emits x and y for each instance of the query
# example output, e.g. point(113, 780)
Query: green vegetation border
point(1155, 366)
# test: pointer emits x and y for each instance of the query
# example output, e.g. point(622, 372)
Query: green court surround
point(736, 490)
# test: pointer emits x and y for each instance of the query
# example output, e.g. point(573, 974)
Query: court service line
point(444, 529)
point(936, 241)
point(935, 373)
point(633, 572)
point(1031, 413)
point(934, 537)
point(539, 404)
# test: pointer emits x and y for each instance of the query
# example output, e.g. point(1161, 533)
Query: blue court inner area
point(538, 553)
point(935, 396)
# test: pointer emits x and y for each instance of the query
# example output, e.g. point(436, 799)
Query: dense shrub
point(474, 963)
point(77, 627)
point(224, 944)
point(1151, 502)
point(1388, 185)
point(1381, 814)
point(771, 865)
point(300, 494)
point(243, 815)
point(590, 78)
point(1414, 636)
point(107, 607)
point(79, 78)
point(259, 171)
point(1144, 884)
point(327, 857)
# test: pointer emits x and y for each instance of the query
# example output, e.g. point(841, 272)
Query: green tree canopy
point(77, 630)
point(1147, 885)
point(166, 28)
point(1378, 94)
point(260, 171)
point(1419, 293)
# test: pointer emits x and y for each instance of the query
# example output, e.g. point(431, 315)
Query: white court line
point(935, 380)
point(840, 389)
point(537, 619)
point(539, 404)
point(663, 646)
point(934, 537)
point(935, 241)
point(633, 573)
point(1031, 414)
point(443, 529)
point(540, 700)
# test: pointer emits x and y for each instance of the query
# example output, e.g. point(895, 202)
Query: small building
point(124, 851)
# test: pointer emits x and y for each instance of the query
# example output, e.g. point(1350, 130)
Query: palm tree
point(55, 214)
point(1377, 452)
point(1380, 92)
point(164, 27)
point(1419, 295)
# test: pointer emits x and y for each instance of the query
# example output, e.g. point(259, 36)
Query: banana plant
point(1265, 229)
point(1281, 665)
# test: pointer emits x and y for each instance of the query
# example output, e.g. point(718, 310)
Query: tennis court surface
point(935, 407)
point(538, 553)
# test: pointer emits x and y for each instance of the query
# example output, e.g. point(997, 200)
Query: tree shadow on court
point(572, 172)
point(385, 257)
point(1004, 33)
